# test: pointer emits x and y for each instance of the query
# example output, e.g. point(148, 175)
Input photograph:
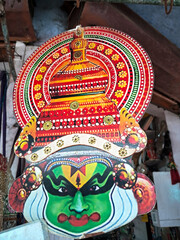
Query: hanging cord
point(166, 7)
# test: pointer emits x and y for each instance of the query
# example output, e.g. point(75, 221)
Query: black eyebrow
point(101, 178)
point(50, 177)
point(109, 183)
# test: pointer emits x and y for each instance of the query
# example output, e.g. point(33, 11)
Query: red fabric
point(174, 176)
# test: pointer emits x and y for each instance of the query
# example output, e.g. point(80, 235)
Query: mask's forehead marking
point(68, 161)
point(79, 176)
point(74, 170)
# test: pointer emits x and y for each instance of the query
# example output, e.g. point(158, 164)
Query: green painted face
point(78, 202)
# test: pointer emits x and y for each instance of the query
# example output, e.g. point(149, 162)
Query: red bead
point(78, 122)
point(71, 123)
point(100, 120)
point(58, 113)
point(64, 123)
point(78, 111)
point(64, 112)
point(57, 124)
point(99, 109)
point(51, 113)
point(92, 109)
point(93, 121)
point(105, 109)
point(85, 110)
point(63, 87)
point(70, 112)
point(85, 121)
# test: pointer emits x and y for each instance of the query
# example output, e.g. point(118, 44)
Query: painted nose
point(78, 203)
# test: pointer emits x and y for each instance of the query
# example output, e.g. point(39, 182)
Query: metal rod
point(150, 2)
point(6, 39)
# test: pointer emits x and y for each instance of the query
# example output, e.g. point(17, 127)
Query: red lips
point(78, 222)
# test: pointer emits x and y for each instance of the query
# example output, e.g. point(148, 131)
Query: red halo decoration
point(126, 62)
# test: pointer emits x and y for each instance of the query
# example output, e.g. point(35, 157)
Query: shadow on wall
point(49, 20)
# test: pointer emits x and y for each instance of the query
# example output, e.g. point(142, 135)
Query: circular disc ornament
point(128, 66)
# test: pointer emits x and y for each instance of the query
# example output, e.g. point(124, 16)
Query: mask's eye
point(94, 188)
point(63, 190)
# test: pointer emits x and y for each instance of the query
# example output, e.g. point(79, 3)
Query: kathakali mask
point(79, 98)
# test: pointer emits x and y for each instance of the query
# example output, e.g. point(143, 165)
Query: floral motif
point(120, 65)
point(107, 146)
point(47, 150)
point(100, 48)
point(34, 157)
point(75, 138)
point(60, 143)
point(48, 61)
point(122, 74)
point(115, 101)
point(92, 45)
point(115, 57)
point(92, 140)
point(64, 50)
point(43, 69)
point(37, 87)
point(38, 96)
point(39, 77)
point(122, 84)
point(55, 55)
point(108, 51)
point(119, 93)
point(41, 104)
point(122, 152)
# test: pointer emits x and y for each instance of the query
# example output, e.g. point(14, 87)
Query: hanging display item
point(79, 98)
